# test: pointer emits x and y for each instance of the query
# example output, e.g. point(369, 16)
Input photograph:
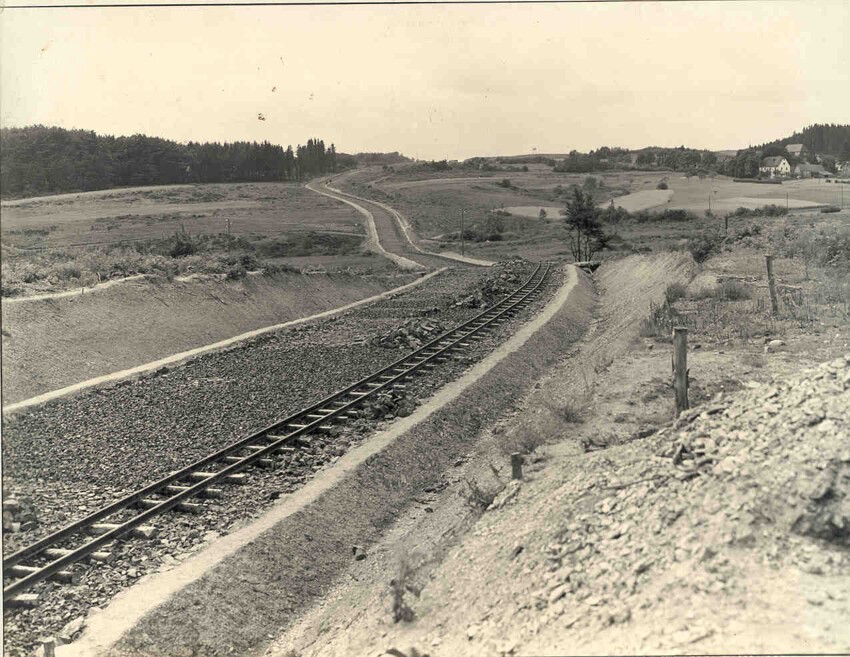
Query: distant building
point(844, 169)
point(797, 150)
point(775, 165)
point(811, 171)
point(723, 156)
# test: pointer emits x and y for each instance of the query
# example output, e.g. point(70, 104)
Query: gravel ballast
point(73, 455)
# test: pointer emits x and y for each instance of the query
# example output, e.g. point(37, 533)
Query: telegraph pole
point(461, 232)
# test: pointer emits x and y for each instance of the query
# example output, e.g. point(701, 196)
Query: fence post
point(771, 285)
point(49, 646)
point(680, 367)
point(516, 465)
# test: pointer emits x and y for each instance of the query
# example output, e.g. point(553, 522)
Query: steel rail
point(402, 368)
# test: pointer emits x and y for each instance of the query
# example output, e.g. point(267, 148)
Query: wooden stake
point(680, 368)
point(49, 646)
point(771, 285)
point(516, 465)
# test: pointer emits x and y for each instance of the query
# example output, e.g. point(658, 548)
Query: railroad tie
point(260, 463)
point(142, 531)
point(229, 479)
point(64, 576)
point(186, 507)
point(58, 553)
point(207, 492)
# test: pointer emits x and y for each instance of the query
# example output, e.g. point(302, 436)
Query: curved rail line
point(197, 479)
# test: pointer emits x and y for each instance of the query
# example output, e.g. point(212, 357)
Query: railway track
point(55, 556)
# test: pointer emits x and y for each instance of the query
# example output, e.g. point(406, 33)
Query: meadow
point(502, 209)
point(78, 240)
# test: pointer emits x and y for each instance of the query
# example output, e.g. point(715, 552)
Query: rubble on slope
point(763, 471)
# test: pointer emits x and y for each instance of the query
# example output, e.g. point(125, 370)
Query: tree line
point(822, 138)
point(47, 160)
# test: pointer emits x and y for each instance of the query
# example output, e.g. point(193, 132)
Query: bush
point(182, 245)
point(506, 183)
point(661, 185)
point(705, 245)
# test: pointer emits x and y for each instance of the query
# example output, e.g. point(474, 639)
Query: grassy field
point(502, 209)
point(76, 240)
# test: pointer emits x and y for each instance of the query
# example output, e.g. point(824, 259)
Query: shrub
point(505, 183)
point(661, 185)
point(705, 245)
point(181, 245)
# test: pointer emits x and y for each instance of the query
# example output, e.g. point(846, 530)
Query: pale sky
point(434, 81)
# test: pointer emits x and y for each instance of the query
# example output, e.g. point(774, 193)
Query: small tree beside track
point(584, 225)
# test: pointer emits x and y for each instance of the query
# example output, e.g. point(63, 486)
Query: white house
point(844, 169)
point(775, 165)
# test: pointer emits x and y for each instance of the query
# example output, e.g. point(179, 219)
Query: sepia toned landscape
point(398, 393)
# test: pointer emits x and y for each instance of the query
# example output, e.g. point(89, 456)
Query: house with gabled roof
point(811, 171)
point(775, 165)
point(797, 150)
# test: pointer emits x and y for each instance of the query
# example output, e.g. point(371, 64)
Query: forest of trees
point(44, 160)
point(821, 138)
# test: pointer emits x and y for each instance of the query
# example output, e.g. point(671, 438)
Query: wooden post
point(771, 285)
point(49, 646)
point(726, 224)
point(516, 465)
point(680, 367)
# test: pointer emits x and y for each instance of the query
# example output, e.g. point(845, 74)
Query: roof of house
point(772, 161)
point(795, 148)
point(811, 168)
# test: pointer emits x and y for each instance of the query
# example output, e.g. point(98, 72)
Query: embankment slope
point(49, 344)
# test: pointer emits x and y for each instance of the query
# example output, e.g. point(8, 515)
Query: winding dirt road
point(391, 235)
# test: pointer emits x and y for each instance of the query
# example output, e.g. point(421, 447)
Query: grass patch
point(728, 290)
point(660, 322)
point(674, 292)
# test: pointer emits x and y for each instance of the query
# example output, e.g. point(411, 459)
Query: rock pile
point(502, 279)
point(411, 335)
point(753, 475)
point(19, 513)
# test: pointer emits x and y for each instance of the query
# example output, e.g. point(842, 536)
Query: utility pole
point(461, 233)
